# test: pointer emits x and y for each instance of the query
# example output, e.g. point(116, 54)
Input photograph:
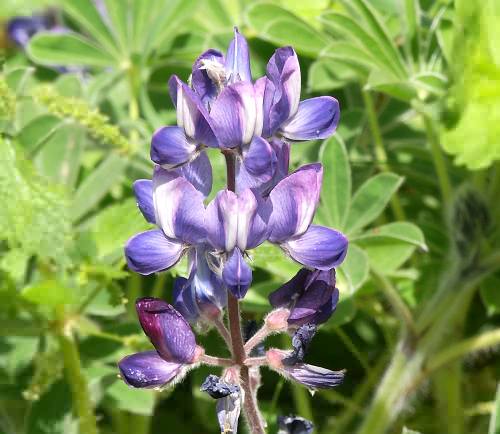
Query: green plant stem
point(380, 153)
point(353, 349)
point(73, 371)
point(398, 305)
point(134, 290)
point(438, 159)
point(448, 395)
point(161, 281)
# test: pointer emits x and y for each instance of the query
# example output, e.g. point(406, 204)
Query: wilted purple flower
point(202, 293)
point(311, 296)
point(294, 425)
point(300, 343)
point(313, 377)
point(216, 388)
point(294, 201)
point(173, 340)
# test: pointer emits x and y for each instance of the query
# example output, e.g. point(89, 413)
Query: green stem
point(438, 158)
point(380, 153)
point(448, 394)
point(363, 361)
point(134, 290)
point(74, 376)
point(397, 303)
point(161, 281)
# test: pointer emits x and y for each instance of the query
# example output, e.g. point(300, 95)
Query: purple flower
point(21, 29)
point(313, 377)
point(311, 296)
point(235, 223)
point(300, 343)
point(173, 340)
point(284, 114)
point(294, 201)
point(203, 293)
point(180, 214)
point(294, 425)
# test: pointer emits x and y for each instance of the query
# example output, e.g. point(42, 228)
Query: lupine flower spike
point(253, 123)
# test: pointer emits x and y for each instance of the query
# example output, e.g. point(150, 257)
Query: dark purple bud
point(294, 425)
point(217, 388)
point(143, 190)
point(300, 343)
point(168, 331)
point(287, 295)
point(237, 274)
point(148, 370)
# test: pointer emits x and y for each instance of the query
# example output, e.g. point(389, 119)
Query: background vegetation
point(412, 176)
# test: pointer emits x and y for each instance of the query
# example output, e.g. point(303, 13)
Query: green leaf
point(370, 200)
point(355, 266)
point(409, 431)
point(119, 16)
point(114, 225)
point(85, 13)
point(97, 184)
point(386, 255)
point(347, 27)
point(381, 81)
point(336, 190)
point(402, 231)
point(378, 29)
point(137, 401)
point(257, 300)
point(66, 49)
point(49, 293)
point(492, 20)
point(494, 427)
point(279, 26)
point(36, 132)
point(271, 258)
point(430, 82)
point(361, 59)
point(490, 294)
point(326, 74)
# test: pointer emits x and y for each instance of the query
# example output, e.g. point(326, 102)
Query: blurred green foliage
point(418, 83)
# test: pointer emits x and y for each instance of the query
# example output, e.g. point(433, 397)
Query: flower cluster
point(253, 124)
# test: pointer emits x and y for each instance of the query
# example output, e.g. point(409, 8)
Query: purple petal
point(259, 89)
point(199, 173)
point(168, 331)
point(294, 425)
point(143, 190)
point(252, 220)
point(319, 247)
point(294, 201)
point(282, 94)
point(287, 294)
point(149, 252)
point(258, 166)
point(314, 377)
point(183, 300)
point(192, 115)
point(238, 59)
point(327, 310)
point(310, 303)
point(222, 221)
point(234, 114)
point(316, 118)
point(179, 207)
point(205, 76)
point(171, 147)
point(282, 151)
point(228, 412)
point(148, 370)
point(237, 274)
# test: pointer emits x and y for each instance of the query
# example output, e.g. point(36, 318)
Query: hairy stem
point(223, 331)
point(252, 413)
point(215, 361)
point(257, 338)
point(78, 383)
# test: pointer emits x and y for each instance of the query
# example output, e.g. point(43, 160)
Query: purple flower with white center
point(173, 340)
point(294, 201)
point(252, 124)
point(202, 293)
point(284, 113)
point(310, 295)
point(180, 214)
point(294, 425)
